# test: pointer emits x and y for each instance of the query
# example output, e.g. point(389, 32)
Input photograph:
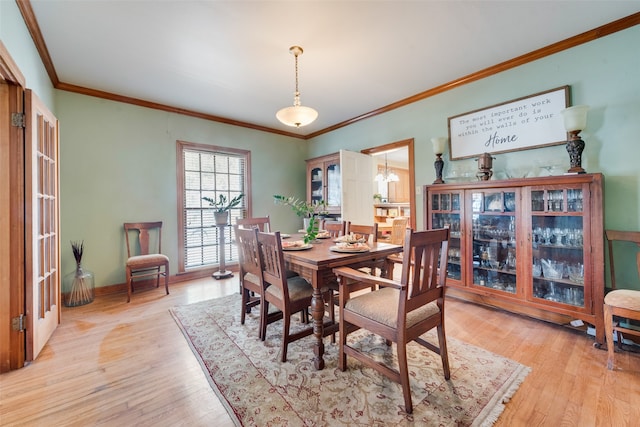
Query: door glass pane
point(439, 220)
point(316, 184)
point(333, 185)
point(494, 242)
point(558, 259)
point(444, 199)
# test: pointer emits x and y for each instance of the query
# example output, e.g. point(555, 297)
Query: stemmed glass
point(559, 233)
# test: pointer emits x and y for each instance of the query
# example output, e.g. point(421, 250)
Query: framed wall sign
point(524, 123)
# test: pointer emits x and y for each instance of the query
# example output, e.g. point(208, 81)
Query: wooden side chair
point(399, 312)
point(144, 257)
point(398, 231)
point(261, 223)
point(620, 303)
point(370, 234)
point(367, 232)
point(251, 283)
point(334, 228)
point(289, 295)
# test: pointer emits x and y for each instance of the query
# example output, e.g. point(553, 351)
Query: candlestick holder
point(575, 120)
point(439, 145)
point(438, 165)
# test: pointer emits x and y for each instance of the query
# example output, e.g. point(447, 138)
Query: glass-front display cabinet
point(324, 181)
point(532, 246)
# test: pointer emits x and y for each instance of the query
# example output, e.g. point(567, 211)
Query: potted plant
point(222, 206)
point(310, 211)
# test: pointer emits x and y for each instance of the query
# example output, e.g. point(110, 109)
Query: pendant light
point(297, 115)
point(387, 176)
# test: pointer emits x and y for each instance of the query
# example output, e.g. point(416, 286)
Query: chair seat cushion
point(250, 277)
point(299, 288)
point(382, 306)
point(623, 298)
point(142, 261)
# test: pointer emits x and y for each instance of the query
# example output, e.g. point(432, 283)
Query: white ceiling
point(231, 58)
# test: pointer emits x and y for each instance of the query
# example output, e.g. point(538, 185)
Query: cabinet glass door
point(317, 184)
point(557, 232)
point(334, 184)
point(494, 239)
point(445, 208)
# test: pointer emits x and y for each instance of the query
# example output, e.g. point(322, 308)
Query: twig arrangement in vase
point(81, 291)
point(309, 210)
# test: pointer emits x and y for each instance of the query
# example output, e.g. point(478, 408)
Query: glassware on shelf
point(552, 269)
point(536, 268)
point(576, 272)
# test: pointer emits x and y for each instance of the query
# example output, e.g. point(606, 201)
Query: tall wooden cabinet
point(324, 181)
point(532, 246)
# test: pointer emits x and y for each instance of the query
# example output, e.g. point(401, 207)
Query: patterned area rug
point(258, 390)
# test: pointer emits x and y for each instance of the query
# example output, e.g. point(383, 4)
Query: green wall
point(15, 36)
point(118, 164)
point(118, 161)
point(604, 74)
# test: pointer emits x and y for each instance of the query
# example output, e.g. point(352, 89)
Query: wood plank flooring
point(112, 363)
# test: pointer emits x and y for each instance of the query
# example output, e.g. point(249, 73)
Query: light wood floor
point(113, 363)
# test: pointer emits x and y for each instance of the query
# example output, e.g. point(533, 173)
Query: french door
point(42, 225)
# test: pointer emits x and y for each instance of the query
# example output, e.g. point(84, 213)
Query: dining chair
point(370, 234)
point(289, 295)
point(367, 232)
point(334, 228)
point(399, 311)
point(144, 254)
point(261, 223)
point(250, 273)
point(398, 230)
point(620, 305)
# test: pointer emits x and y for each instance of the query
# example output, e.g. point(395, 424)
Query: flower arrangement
point(301, 207)
point(305, 209)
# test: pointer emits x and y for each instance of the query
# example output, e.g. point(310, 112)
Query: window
point(208, 171)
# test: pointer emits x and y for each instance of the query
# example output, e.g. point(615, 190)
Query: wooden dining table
point(316, 265)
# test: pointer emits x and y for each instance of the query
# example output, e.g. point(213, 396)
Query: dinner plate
point(297, 248)
point(348, 250)
point(342, 239)
point(323, 236)
point(284, 235)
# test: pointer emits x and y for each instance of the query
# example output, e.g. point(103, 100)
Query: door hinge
point(17, 323)
point(17, 120)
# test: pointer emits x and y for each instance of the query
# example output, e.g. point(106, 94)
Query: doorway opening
point(400, 197)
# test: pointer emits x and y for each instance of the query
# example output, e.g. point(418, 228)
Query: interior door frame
point(12, 257)
point(409, 144)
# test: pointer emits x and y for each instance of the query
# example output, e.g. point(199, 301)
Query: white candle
point(439, 144)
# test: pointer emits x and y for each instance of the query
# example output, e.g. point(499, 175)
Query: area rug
point(258, 390)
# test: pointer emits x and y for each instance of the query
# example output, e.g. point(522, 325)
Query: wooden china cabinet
point(533, 246)
point(324, 181)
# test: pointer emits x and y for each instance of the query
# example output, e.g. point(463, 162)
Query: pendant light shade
point(297, 115)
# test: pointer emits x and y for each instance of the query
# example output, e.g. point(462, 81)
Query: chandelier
point(297, 115)
point(387, 176)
